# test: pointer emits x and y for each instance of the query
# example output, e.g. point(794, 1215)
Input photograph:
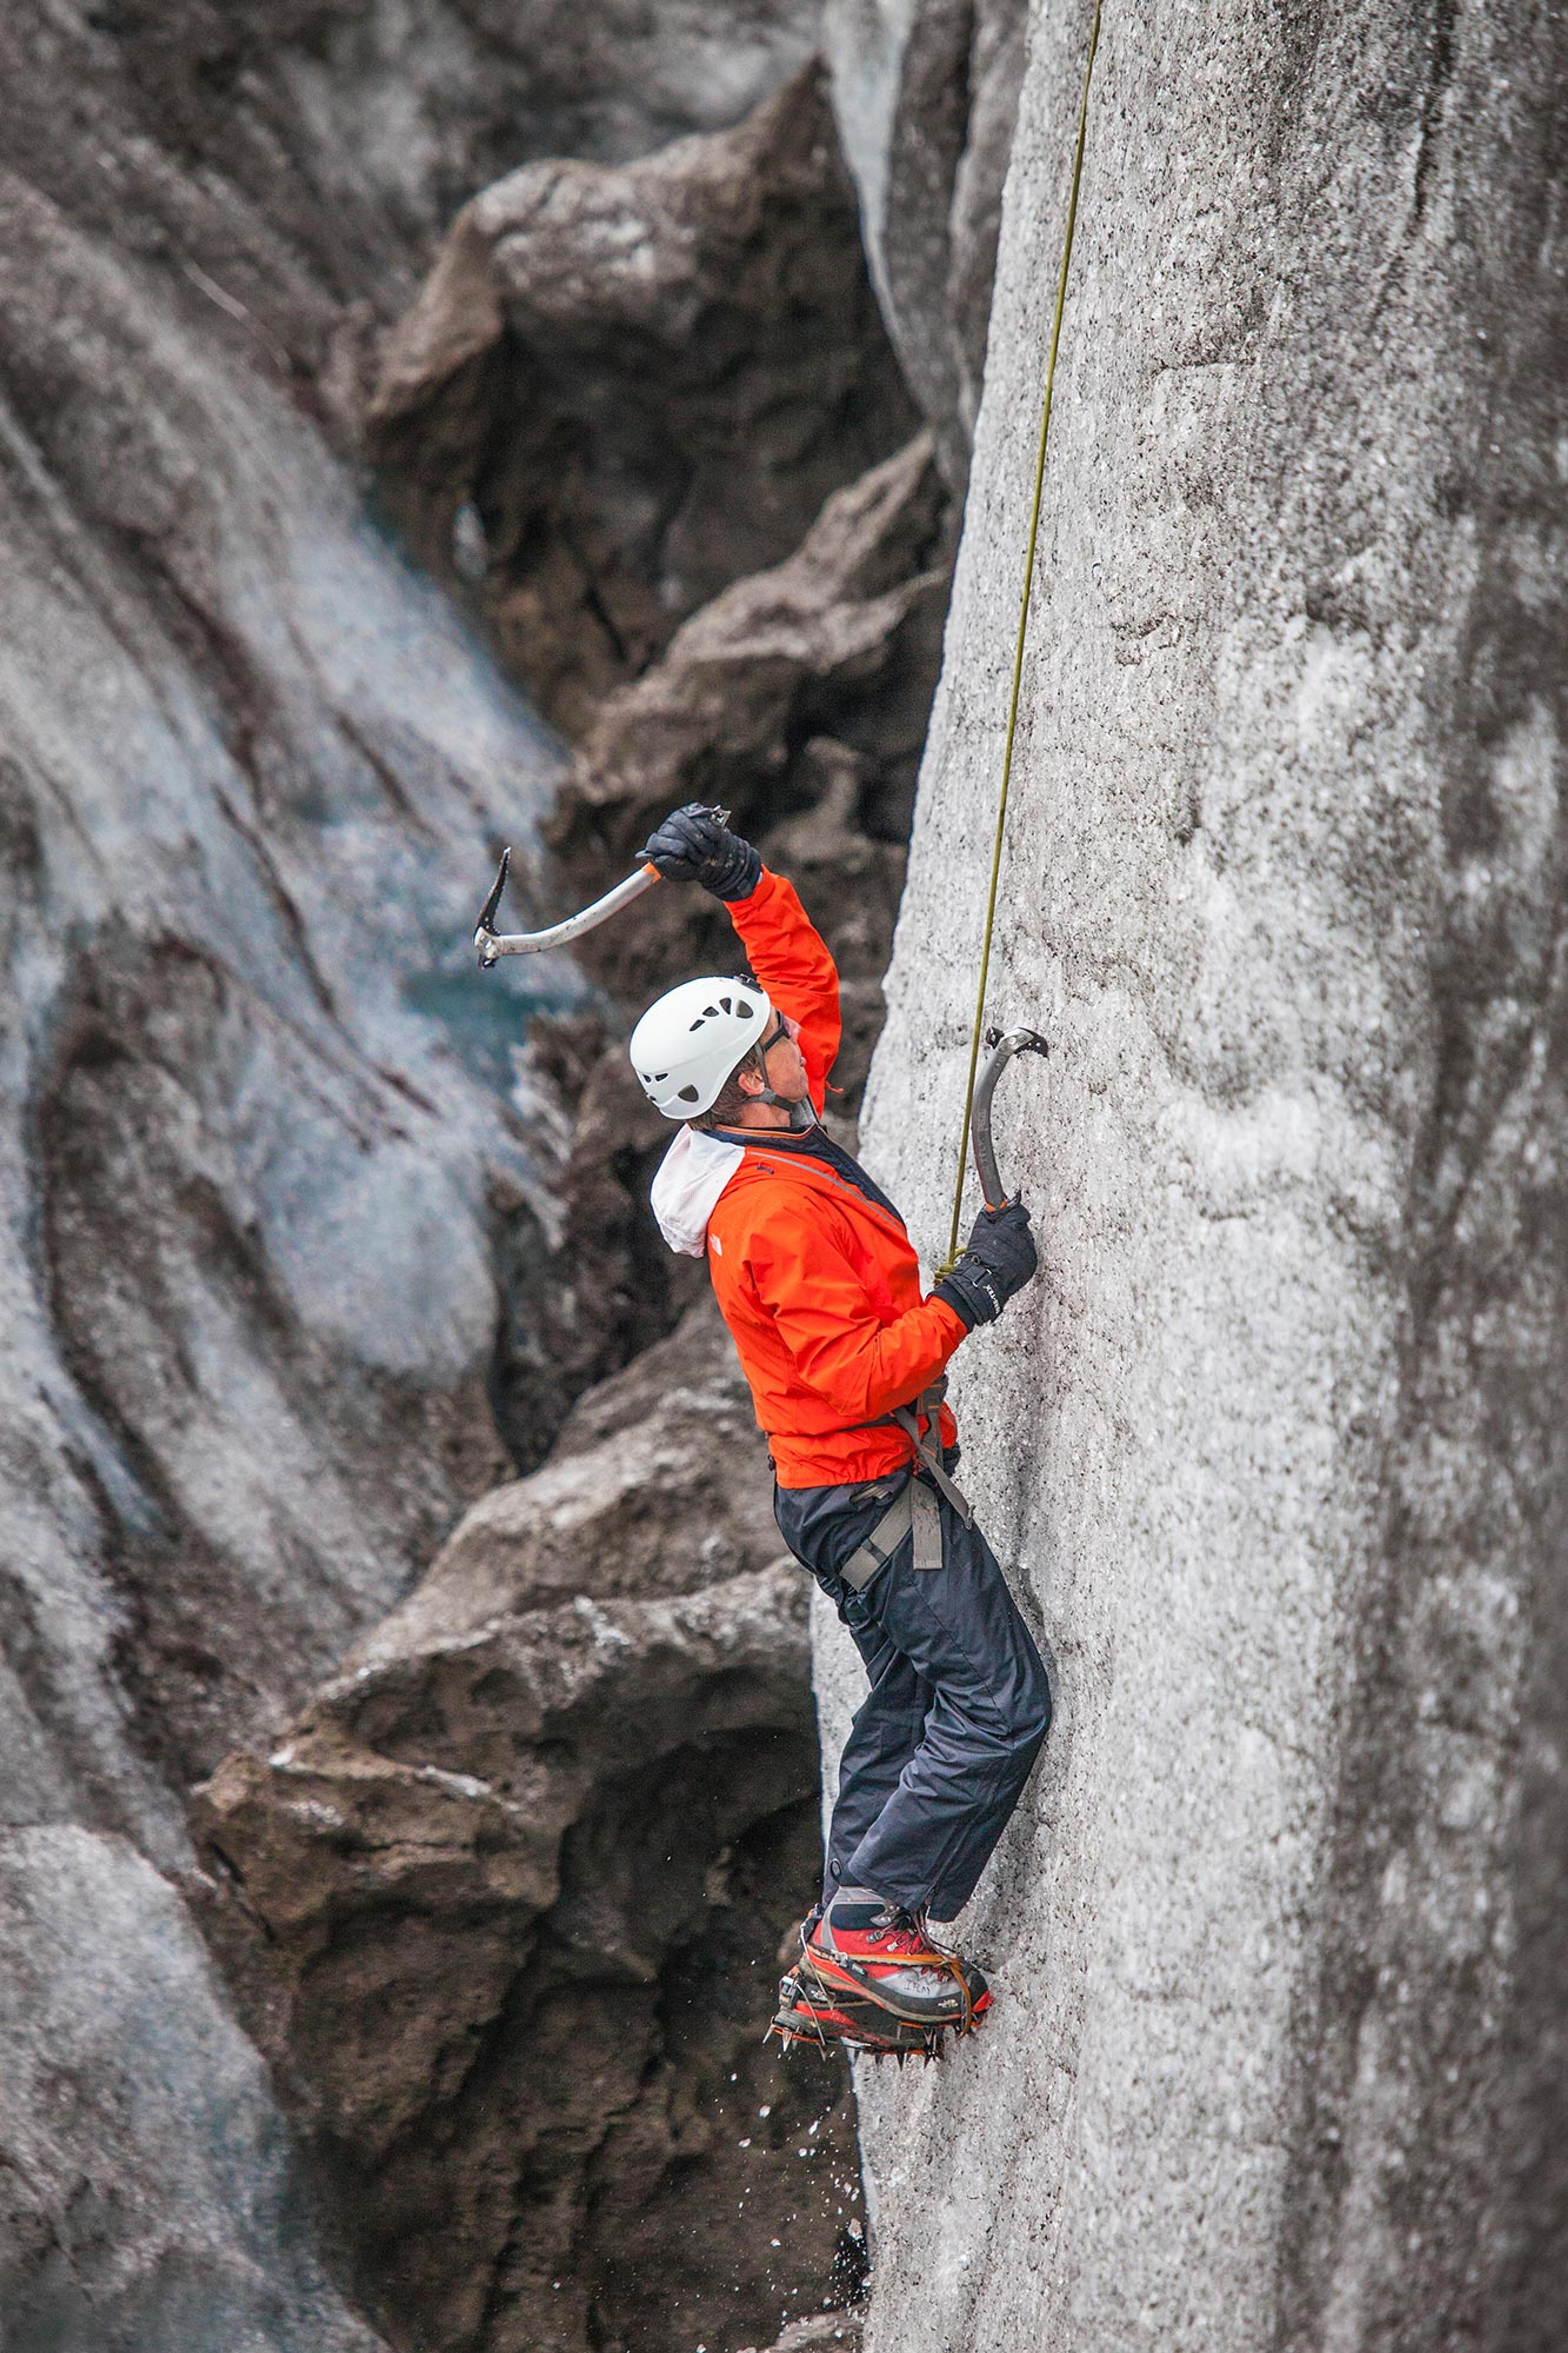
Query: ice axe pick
point(492, 944)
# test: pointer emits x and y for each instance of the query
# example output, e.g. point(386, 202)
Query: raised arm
point(789, 957)
point(787, 953)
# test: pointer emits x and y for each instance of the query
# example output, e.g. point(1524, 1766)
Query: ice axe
point(1004, 1046)
point(492, 944)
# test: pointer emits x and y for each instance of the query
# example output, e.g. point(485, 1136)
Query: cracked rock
point(637, 384)
point(522, 1867)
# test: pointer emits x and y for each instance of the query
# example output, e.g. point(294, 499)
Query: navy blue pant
point(959, 1706)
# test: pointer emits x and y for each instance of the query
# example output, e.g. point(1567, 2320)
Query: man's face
point(785, 1064)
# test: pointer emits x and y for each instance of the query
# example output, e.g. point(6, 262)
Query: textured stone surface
point(252, 1128)
point(621, 389)
point(840, 637)
point(268, 1207)
point(148, 2198)
point(829, 2329)
point(925, 93)
point(523, 1868)
point(1276, 1442)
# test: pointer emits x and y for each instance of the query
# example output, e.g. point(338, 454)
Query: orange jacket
point(820, 1288)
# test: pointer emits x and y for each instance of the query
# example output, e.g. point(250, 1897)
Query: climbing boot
point(884, 1953)
point(807, 2013)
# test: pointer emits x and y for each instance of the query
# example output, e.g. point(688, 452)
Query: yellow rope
point(953, 1252)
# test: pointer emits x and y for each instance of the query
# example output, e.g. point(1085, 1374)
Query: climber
point(820, 1287)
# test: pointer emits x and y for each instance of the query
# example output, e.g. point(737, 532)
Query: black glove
point(1000, 1259)
point(695, 846)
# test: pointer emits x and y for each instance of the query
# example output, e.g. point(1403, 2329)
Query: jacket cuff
point(948, 1293)
point(747, 881)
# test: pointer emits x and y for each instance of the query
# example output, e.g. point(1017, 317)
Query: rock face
point(747, 678)
point(925, 93)
point(250, 768)
point(840, 636)
point(621, 389)
point(269, 1202)
point(522, 1870)
point(149, 2196)
point(1275, 1442)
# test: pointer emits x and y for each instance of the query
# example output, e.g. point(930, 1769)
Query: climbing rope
point(953, 1250)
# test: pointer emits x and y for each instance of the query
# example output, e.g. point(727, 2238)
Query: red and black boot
point(864, 1948)
point(807, 2012)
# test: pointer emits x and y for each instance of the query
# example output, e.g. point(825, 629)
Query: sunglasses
point(765, 1045)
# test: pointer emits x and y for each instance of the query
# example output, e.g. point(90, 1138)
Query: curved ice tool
point(492, 944)
point(1015, 1042)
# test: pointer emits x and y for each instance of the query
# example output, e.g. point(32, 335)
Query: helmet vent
point(743, 1008)
point(688, 1094)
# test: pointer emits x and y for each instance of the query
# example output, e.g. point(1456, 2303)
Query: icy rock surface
point(1274, 1443)
point(925, 93)
point(148, 2199)
point(251, 772)
point(256, 1139)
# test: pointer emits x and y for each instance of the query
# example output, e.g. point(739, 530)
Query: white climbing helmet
point(687, 1045)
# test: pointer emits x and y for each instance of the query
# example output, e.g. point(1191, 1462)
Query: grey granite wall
point(1275, 1443)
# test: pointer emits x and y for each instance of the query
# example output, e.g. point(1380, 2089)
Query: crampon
point(818, 2005)
point(810, 2014)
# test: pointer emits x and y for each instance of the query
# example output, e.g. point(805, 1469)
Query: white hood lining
point(684, 1193)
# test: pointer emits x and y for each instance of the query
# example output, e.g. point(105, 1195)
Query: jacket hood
point(684, 1194)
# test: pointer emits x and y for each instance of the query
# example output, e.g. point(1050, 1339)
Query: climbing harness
point(916, 1512)
point(1023, 631)
point(492, 944)
point(929, 1448)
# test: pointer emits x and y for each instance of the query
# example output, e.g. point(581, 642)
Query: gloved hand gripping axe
point(492, 944)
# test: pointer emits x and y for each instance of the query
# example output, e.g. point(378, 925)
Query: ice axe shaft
point(492, 944)
point(1015, 1041)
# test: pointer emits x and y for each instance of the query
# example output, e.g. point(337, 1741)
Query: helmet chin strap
point(802, 1118)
